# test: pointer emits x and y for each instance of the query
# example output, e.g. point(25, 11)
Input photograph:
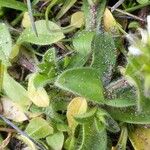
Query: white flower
point(144, 35)
point(148, 24)
point(134, 51)
point(131, 38)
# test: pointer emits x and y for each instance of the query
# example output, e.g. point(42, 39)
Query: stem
point(31, 17)
point(17, 19)
point(91, 2)
point(7, 130)
point(93, 14)
point(137, 7)
point(22, 132)
point(122, 139)
point(2, 68)
point(117, 5)
point(100, 13)
point(5, 142)
point(128, 14)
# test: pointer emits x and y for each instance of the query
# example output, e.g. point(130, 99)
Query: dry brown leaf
point(12, 111)
point(5, 142)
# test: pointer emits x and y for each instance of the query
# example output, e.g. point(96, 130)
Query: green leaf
point(120, 102)
point(82, 81)
point(142, 1)
point(104, 55)
point(47, 68)
point(2, 69)
point(45, 36)
point(122, 142)
point(129, 115)
point(87, 16)
point(15, 91)
point(13, 4)
point(40, 80)
point(120, 94)
point(86, 117)
point(1, 139)
point(5, 43)
point(66, 6)
point(38, 128)
point(92, 136)
point(55, 141)
point(82, 43)
point(109, 122)
point(135, 77)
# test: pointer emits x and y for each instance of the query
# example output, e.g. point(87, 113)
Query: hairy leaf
point(45, 36)
point(15, 91)
point(92, 136)
point(104, 55)
point(82, 81)
point(55, 141)
point(39, 128)
point(5, 44)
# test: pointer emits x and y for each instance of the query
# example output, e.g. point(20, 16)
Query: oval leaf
point(39, 128)
point(56, 141)
point(104, 55)
point(129, 115)
point(140, 138)
point(86, 117)
point(13, 4)
point(26, 22)
point(77, 106)
point(82, 81)
point(92, 137)
point(77, 19)
point(12, 111)
point(5, 43)
point(15, 91)
point(37, 95)
point(110, 23)
point(45, 36)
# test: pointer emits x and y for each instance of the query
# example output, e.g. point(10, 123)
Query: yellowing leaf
point(110, 24)
point(77, 19)
point(77, 106)
point(12, 111)
point(38, 95)
point(26, 20)
point(15, 51)
point(140, 138)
